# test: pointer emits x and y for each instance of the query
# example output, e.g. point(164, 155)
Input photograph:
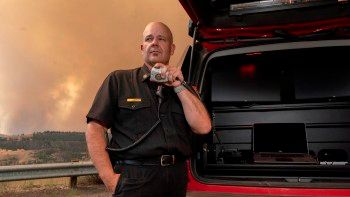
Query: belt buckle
point(163, 158)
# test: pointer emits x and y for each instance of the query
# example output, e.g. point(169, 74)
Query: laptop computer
point(281, 143)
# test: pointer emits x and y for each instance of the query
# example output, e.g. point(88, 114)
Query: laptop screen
point(280, 137)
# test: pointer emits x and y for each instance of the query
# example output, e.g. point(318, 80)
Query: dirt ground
point(90, 191)
point(55, 187)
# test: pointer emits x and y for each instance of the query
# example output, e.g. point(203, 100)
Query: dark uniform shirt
point(127, 104)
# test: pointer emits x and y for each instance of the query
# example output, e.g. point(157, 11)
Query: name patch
point(133, 100)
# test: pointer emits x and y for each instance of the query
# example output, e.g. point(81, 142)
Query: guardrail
point(54, 170)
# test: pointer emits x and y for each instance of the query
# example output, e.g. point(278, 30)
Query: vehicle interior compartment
point(280, 88)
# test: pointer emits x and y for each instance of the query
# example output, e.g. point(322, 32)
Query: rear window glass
point(317, 74)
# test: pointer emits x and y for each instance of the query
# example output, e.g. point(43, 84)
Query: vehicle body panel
point(220, 32)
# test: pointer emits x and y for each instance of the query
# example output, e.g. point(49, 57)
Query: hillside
point(43, 147)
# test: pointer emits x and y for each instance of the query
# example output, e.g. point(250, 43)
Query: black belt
point(164, 160)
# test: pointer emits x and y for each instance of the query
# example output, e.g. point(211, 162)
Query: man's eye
point(148, 39)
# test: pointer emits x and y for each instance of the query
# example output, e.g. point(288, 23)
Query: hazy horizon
point(55, 54)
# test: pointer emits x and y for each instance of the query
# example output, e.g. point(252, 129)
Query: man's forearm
point(96, 143)
point(195, 112)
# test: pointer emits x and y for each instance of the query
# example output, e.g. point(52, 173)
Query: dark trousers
point(152, 180)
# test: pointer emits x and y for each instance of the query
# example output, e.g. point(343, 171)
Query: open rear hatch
point(224, 19)
point(282, 83)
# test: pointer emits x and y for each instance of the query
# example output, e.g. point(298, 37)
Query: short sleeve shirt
point(127, 104)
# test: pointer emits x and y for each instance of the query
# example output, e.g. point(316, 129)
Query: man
point(131, 106)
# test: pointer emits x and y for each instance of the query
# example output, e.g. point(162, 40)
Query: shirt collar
point(145, 73)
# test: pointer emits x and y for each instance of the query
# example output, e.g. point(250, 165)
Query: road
point(93, 191)
point(89, 186)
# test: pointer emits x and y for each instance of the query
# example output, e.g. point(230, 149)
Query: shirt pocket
point(134, 116)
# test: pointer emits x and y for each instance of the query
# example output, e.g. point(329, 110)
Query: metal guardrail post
point(73, 182)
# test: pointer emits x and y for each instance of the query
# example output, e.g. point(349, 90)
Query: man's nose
point(154, 42)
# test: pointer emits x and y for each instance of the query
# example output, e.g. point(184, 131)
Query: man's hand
point(111, 183)
point(173, 73)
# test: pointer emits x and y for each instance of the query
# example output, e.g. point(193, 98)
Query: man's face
point(157, 46)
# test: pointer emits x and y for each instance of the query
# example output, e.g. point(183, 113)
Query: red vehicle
point(274, 76)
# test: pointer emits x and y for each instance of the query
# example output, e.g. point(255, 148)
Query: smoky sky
point(54, 55)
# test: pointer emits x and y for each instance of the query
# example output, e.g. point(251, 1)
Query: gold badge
point(133, 100)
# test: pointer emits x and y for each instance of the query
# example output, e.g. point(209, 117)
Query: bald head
point(157, 44)
point(161, 26)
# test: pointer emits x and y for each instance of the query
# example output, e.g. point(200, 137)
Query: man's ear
point(173, 49)
point(141, 47)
